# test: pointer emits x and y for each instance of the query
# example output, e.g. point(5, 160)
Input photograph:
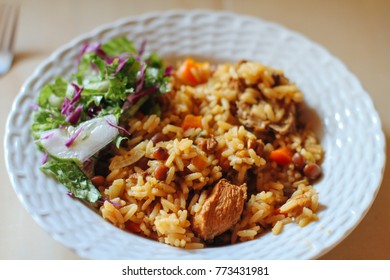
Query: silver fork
point(9, 14)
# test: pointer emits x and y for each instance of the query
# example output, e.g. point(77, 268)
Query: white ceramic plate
point(349, 128)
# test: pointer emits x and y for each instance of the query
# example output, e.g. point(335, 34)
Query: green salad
point(78, 120)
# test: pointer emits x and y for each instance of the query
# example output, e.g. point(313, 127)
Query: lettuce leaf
point(70, 175)
point(57, 89)
point(46, 119)
point(117, 46)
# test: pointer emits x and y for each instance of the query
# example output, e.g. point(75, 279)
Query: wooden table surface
point(355, 31)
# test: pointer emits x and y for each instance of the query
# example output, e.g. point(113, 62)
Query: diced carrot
point(185, 72)
point(199, 162)
point(193, 73)
point(281, 156)
point(191, 121)
point(133, 227)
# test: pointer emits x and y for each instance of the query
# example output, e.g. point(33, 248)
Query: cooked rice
point(163, 209)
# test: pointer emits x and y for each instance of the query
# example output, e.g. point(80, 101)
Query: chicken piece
point(221, 209)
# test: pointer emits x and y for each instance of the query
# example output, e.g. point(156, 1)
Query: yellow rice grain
point(247, 233)
point(277, 228)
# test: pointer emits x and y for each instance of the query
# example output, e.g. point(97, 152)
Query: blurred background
point(355, 31)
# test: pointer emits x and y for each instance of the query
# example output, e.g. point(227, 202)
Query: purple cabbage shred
point(70, 194)
point(133, 98)
point(66, 107)
point(70, 141)
point(141, 77)
point(47, 136)
point(108, 200)
point(142, 48)
point(77, 93)
point(122, 59)
point(118, 127)
point(96, 48)
point(44, 158)
point(168, 71)
point(74, 116)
